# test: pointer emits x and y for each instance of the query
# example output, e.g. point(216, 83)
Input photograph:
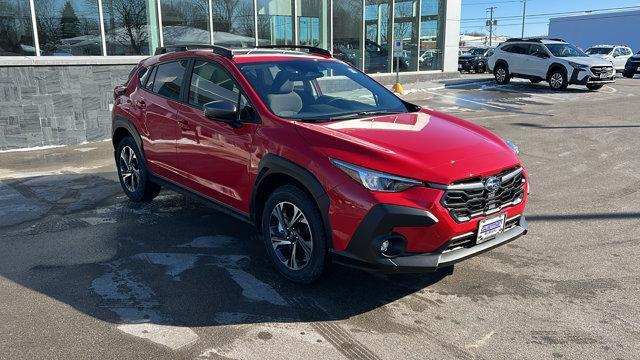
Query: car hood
point(427, 145)
point(601, 56)
point(588, 60)
point(466, 57)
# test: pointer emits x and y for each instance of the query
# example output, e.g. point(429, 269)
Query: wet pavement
point(84, 273)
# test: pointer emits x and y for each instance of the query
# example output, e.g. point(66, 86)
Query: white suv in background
point(551, 60)
point(618, 55)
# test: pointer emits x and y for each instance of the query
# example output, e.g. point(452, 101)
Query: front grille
point(602, 71)
point(469, 199)
point(469, 240)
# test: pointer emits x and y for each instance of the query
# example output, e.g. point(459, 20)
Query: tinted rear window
point(168, 79)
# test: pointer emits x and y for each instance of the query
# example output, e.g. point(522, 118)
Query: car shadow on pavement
point(77, 239)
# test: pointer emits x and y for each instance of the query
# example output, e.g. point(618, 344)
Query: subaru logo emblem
point(492, 184)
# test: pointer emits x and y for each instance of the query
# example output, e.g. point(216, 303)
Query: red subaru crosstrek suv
point(323, 160)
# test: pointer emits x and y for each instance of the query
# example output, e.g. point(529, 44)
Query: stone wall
point(55, 105)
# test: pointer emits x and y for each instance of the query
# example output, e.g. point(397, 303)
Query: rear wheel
point(132, 172)
point(628, 75)
point(594, 87)
point(501, 74)
point(293, 233)
point(558, 80)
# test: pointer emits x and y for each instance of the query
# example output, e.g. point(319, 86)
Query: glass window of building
point(185, 22)
point(275, 25)
point(313, 22)
point(68, 27)
point(431, 37)
point(16, 29)
point(347, 35)
point(233, 23)
point(378, 42)
point(406, 29)
point(131, 26)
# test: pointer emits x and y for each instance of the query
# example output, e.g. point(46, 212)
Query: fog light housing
point(391, 245)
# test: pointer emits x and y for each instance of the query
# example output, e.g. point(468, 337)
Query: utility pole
point(491, 23)
point(524, 15)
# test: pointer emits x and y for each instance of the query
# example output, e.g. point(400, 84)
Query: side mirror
point(222, 110)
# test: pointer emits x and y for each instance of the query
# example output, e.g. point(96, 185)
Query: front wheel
point(501, 74)
point(293, 233)
point(132, 172)
point(628, 75)
point(594, 87)
point(481, 68)
point(558, 80)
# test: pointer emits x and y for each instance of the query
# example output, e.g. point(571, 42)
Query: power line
point(586, 12)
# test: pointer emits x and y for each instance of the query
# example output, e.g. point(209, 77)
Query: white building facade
point(611, 28)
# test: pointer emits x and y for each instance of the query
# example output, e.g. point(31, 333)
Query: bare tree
point(127, 23)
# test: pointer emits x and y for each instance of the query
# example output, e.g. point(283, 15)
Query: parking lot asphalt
point(85, 273)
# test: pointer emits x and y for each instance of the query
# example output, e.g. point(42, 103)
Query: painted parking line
point(467, 100)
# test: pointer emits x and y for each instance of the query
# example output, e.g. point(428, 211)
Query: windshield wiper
point(364, 114)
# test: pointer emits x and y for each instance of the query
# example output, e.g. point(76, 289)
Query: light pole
point(524, 15)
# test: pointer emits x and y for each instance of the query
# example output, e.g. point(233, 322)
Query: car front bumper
point(586, 77)
point(363, 252)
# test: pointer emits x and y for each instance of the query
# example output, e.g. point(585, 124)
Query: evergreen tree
point(69, 22)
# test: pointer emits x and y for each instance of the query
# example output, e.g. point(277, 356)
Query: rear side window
point(150, 79)
point(168, 79)
point(211, 82)
point(517, 48)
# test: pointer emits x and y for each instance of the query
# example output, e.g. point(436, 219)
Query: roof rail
point(524, 40)
point(310, 49)
point(557, 39)
point(220, 50)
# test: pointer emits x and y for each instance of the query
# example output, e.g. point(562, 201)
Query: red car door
point(159, 104)
point(215, 157)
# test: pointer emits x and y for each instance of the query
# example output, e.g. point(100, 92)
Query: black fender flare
point(273, 164)
point(121, 122)
point(554, 66)
point(500, 62)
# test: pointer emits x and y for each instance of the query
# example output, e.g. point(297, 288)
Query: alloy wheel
point(501, 74)
point(290, 235)
point(556, 80)
point(129, 168)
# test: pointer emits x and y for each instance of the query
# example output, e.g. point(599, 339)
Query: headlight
point(374, 180)
point(578, 66)
point(513, 146)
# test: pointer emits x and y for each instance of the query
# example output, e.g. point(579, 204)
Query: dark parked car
point(474, 60)
point(376, 59)
point(632, 67)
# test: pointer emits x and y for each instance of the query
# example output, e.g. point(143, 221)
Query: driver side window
point(210, 82)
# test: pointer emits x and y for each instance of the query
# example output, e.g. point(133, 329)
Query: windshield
point(319, 90)
point(477, 51)
point(565, 50)
point(599, 51)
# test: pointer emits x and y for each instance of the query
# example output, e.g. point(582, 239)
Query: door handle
point(141, 104)
point(184, 125)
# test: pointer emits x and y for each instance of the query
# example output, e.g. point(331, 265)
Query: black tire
point(558, 79)
point(501, 73)
point(143, 189)
point(535, 81)
point(628, 75)
point(311, 233)
point(481, 68)
point(594, 87)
